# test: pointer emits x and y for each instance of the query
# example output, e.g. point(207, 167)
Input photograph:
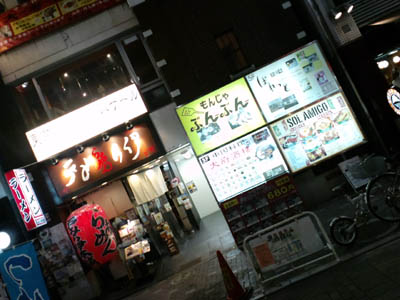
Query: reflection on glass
point(84, 81)
point(140, 61)
point(29, 105)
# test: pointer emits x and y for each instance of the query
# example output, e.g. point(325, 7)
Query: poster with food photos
point(317, 132)
point(292, 82)
point(220, 116)
point(243, 164)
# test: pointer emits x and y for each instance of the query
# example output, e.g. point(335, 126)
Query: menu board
point(292, 82)
point(243, 164)
point(317, 132)
point(220, 117)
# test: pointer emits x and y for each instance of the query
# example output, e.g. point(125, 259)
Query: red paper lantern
point(91, 233)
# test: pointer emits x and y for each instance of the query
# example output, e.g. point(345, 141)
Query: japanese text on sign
point(220, 116)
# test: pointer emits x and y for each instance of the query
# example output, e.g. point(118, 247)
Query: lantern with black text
point(92, 235)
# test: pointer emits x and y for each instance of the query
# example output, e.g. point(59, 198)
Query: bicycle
point(380, 198)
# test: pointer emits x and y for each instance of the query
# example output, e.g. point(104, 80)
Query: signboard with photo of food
point(292, 82)
point(317, 132)
point(220, 116)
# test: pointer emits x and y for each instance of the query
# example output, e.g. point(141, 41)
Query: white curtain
point(147, 185)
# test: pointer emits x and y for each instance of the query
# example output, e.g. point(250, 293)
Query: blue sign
point(21, 273)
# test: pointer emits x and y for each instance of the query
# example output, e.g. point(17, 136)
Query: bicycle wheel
point(383, 197)
point(343, 230)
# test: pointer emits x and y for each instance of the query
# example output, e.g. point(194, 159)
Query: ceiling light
point(80, 149)
point(393, 52)
point(349, 8)
point(336, 14)
point(105, 137)
point(25, 84)
point(66, 75)
point(396, 59)
point(104, 183)
point(383, 64)
point(74, 197)
point(84, 94)
point(108, 55)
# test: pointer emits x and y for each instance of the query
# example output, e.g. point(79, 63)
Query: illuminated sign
point(25, 198)
point(242, 164)
point(292, 82)
point(220, 117)
point(393, 97)
point(317, 132)
point(86, 122)
point(103, 159)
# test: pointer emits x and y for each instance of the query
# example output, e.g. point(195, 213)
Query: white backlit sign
point(86, 122)
point(292, 82)
point(242, 164)
point(317, 132)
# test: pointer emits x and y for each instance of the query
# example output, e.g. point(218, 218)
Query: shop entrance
point(165, 219)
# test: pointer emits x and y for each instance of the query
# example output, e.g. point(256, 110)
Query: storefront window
point(140, 60)
point(84, 81)
point(29, 104)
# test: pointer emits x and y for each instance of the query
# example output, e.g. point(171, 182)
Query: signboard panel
point(101, 160)
point(25, 198)
point(220, 117)
point(292, 82)
point(20, 270)
point(86, 122)
point(33, 19)
point(242, 164)
point(317, 132)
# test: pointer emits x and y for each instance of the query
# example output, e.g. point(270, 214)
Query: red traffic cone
point(233, 288)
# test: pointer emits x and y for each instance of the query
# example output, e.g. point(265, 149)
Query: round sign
point(393, 97)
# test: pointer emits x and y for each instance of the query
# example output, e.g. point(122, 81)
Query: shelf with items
point(261, 207)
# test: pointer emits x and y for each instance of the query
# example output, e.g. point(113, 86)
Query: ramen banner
point(220, 116)
point(317, 132)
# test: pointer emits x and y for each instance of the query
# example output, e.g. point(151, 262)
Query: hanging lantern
point(91, 233)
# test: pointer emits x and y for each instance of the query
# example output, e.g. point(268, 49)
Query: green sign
point(220, 117)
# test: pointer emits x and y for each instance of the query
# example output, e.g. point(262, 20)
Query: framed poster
point(292, 82)
point(243, 164)
point(317, 132)
point(220, 116)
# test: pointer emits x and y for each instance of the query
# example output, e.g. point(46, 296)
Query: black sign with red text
point(103, 159)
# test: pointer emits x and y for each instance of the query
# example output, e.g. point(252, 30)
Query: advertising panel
point(33, 19)
point(106, 158)
point(86, 122)
point(317, 132)
point(20, 270)
point(220, 117)
point(25, 198)
point(242, 164)
point(292, 82)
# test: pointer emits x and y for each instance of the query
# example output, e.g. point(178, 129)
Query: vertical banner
point(21, 273)
point(25, 198)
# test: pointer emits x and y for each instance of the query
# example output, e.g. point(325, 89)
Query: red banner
point(25, 198)
point(38, 17)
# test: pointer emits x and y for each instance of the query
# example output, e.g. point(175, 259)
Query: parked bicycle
point(376, 184)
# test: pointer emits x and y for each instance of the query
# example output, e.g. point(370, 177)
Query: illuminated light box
point(25, 198)
point(86, 122)
point(317, 132)
point(292, 82)
point(243, 164)
point(220, 117)
point(103, 159)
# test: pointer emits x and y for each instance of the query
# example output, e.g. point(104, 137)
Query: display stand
point(168, 237)
point(261, 207)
